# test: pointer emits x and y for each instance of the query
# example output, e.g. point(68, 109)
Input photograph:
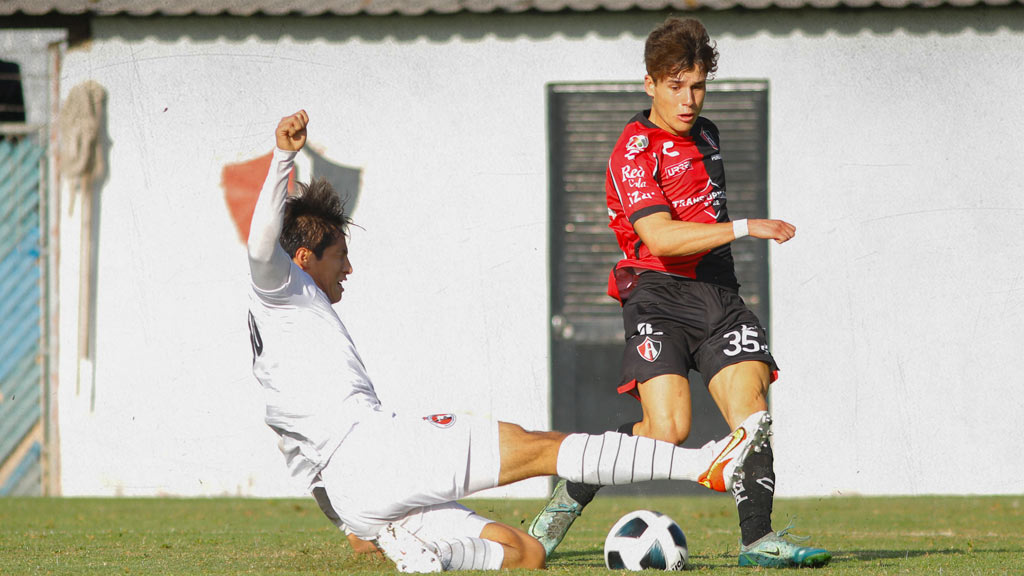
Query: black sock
point(584, 493)
point(754, 495)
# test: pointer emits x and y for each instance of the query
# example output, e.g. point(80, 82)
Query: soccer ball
point(645, 539)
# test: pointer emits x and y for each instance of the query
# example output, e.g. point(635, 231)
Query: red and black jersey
point(652, 170)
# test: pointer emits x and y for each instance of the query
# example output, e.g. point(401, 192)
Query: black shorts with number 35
point(676, 324)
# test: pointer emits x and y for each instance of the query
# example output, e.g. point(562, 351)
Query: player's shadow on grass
point(592, 559)
point(869, 555)
point(579, 558)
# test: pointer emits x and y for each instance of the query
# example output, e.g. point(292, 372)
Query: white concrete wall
point(894, 149)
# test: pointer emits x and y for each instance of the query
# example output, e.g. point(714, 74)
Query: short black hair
point(314, 218)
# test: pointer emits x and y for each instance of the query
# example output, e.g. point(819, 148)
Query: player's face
point(330, 270)
point(677, 100)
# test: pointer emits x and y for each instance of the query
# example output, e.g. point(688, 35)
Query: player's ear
point(649, 85)
point(302, 256)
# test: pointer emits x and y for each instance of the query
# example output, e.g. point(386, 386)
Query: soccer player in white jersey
point(394, 479)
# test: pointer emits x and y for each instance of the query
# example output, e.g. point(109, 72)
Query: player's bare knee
point(672, 430)
point(524, 552)
point(534, 556)
point(521, 550)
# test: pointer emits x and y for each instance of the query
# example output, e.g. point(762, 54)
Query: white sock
point(613, 458)
point(465, 553)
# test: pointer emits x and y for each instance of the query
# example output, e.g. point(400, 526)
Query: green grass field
point(924, 535)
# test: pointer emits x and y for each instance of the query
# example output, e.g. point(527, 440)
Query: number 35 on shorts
point(747, 339)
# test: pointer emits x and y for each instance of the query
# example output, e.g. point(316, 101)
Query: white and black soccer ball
point(645, 539)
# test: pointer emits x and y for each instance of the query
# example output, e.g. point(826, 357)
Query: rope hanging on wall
point(81, 167)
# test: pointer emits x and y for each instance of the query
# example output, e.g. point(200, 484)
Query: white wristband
point(739, 228)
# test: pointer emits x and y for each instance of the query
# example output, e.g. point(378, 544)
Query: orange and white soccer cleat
point(733, 450)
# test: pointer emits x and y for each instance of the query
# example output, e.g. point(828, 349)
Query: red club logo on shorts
point(441, 420)
point(649, 349)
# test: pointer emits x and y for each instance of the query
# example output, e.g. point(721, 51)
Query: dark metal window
point(12, 98)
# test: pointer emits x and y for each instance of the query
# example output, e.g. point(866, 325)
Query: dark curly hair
point(678, 45)
point(314, 218)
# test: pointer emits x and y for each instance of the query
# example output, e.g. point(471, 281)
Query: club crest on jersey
point(636, 144)
point(441, 420)
point(649, 349)
point(707, 138)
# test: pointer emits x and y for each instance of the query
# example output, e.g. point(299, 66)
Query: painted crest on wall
point(242, 182)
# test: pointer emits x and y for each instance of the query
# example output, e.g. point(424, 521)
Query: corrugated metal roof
point(418, 7)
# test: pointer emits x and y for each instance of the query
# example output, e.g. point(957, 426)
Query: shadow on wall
point(242, 183)
point(436, 28)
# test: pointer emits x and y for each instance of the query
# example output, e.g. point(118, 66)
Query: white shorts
point(410, 470)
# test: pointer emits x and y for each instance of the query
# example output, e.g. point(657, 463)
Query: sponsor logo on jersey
point(706, 198)
point(441, 420)
point(707, 138)
point(636, 144)
point(633, 176)
point(678, 168)
point(649, 349)
point(639, 196)
point(666, 147)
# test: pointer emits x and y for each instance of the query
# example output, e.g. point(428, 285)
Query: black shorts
point(674, 325)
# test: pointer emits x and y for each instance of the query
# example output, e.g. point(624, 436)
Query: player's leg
point(606, 459)
point(521, 551)
point(613, 458)
point(665, 401)
point(741, 390)
point(564, 506)
point(656, 358)
point(359, 546)
point(666, 414)
point(450, 536)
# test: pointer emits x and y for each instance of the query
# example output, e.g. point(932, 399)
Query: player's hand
point(291, 131)
point(363, 546)
point(771, 230)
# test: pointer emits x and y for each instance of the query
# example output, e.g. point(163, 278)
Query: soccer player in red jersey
point(666, 198)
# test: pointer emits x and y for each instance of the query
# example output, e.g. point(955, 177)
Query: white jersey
point(314, 382)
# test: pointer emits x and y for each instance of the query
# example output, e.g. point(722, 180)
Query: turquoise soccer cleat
point(774, 551)
point(553, 522)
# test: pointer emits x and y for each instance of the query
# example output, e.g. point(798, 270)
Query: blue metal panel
point(26, 480)
point(21, 317)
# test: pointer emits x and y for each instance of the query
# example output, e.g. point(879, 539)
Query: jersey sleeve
point(634, 177)
point(268, 262)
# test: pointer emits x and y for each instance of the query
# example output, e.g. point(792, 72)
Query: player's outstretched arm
point(777, 230)
point(268, 262)
point(666, 237)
